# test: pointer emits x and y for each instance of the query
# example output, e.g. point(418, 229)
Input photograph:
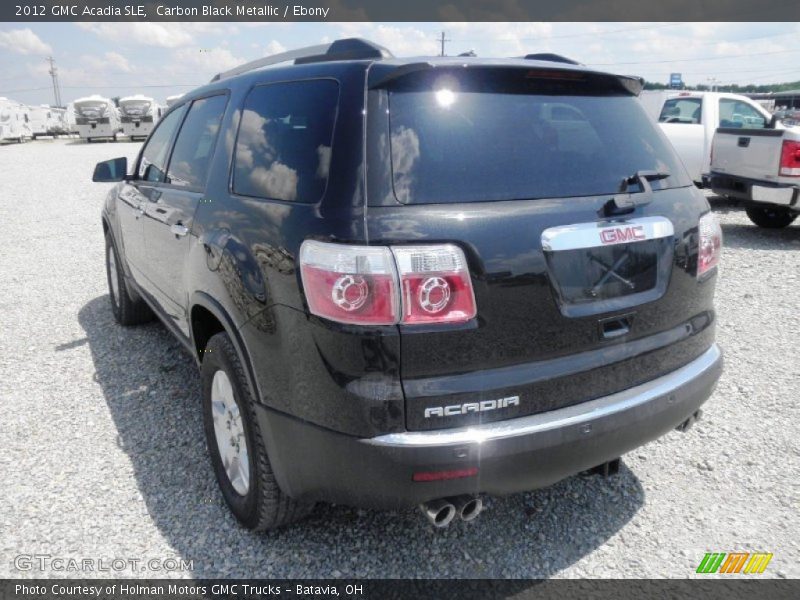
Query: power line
point(696, 59)
point(568, 35)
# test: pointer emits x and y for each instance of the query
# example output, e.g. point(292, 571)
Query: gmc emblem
point(617, 235)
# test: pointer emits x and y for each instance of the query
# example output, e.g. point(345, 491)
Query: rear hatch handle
point(626, 202)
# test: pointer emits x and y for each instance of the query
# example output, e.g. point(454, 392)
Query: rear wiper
point(625, 202)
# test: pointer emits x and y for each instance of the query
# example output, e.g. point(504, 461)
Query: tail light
point(710, 244)
point(378, 285)
point(790, 159)
point(350, 284)
point(435, 284)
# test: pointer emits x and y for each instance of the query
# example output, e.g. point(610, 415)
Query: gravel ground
point(103, 454)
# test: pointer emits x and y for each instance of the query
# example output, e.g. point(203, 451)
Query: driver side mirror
point(115, 169)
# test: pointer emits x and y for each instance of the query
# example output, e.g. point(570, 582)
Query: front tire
point(236, 446)
point(127, 311)
point(770, 217)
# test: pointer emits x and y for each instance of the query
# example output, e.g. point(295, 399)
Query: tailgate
point(748, 153)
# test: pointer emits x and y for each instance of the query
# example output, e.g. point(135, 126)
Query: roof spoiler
point(550, 57)
point(344, 49)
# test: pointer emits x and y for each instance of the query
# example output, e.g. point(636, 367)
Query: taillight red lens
point(710, 243)
point(790, 159)
point(435, 284)
point(376, 285)
point(350, 284)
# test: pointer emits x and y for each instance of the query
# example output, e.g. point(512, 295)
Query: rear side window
point(153, 164)
point(283, 149)
point(188, 166)
point(682, 110)
point(735, 113)
point(451, 146)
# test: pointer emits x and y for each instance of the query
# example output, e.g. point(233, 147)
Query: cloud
point(279, 181)
point(205, 62)
point(399, 39)
point(274, 47)
point(163, 35)
point(23, 41)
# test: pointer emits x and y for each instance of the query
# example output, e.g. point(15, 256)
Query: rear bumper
point(761, 192)
point(520, 454)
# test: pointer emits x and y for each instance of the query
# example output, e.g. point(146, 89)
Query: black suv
point(412, 281)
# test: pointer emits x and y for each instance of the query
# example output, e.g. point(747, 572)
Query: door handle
point(179, 229)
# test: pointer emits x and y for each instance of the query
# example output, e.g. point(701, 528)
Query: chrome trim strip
point(590, 235)
point(562, 417)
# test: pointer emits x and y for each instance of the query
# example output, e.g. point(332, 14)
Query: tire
point(256, 500)
point(127, 311)
point(769, 217)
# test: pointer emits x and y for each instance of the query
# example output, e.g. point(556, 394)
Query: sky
point(162, 59)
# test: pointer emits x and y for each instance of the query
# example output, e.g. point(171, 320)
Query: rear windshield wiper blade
point(626, 202)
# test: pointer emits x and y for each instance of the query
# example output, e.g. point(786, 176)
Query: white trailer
point(139, 115)
point(14, 121)
point(46, 120)
point(61, 123)
point(173, 99)
point(96, 117)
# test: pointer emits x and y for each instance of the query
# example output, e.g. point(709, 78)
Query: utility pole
point(443, 40)
point(54, 74)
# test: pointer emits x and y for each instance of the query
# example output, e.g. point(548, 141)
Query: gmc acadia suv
point(412, 281)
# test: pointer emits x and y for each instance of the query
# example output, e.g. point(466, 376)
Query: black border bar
point(732, 588)
point(405, 11)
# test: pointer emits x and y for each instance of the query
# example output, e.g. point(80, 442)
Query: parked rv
point(14, 121)
point(689, 120)
point(138, 114)
point(96, 117)
point(46, 120)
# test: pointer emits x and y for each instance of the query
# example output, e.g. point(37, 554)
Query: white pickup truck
point(762, 168)
point(689, 120)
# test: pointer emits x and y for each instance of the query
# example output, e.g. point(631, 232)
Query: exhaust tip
point(467, 507)
point(471, 509)
point(438, 512)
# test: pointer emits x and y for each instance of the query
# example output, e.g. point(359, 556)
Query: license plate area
point(608, 266)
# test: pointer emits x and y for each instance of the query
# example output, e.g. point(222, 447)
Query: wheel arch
point(208, 317)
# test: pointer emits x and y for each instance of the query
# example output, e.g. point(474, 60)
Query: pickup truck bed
point(762, 168)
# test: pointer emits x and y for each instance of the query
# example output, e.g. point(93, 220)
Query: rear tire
point(770, 217)
point(245, 474)
point(127, 311)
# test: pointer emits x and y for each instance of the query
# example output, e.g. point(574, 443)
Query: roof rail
point(550, 57)
point(344, 49)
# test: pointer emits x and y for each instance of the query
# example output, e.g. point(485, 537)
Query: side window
point(188, 166)
point(682, 110)
point(283, 149)
point(153, 164)
point(735, 113)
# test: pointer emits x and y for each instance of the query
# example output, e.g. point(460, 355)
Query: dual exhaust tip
point(442, 511)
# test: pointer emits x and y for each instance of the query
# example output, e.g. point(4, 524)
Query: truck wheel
point(126, 310)
point(769, 217)
point(236, 446)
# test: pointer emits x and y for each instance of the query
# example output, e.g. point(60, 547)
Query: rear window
point(452, 146)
